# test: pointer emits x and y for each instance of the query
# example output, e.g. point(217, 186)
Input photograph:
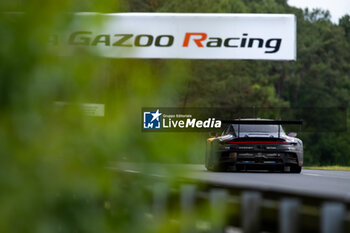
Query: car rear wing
point(262, 122)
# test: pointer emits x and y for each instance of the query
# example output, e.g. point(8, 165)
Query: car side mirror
point(292, 134)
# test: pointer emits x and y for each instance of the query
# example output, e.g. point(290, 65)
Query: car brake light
point(285, 143)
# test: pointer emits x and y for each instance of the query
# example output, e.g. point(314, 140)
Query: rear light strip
point(259, 143)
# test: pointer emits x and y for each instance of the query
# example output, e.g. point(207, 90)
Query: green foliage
point(54, 160)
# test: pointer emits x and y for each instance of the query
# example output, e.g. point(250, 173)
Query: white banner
point(185, 36)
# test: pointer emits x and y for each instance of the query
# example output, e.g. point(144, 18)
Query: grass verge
point(336, 168)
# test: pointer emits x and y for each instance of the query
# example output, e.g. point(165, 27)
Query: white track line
point(311, 174)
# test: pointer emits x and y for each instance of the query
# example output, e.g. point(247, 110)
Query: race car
point(255, 144)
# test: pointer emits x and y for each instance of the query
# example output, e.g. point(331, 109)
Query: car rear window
point(258, 128)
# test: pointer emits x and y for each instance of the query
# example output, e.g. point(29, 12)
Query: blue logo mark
point(151, 120)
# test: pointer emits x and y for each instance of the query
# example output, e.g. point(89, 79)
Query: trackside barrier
point(332, 217)
point(160, 195)
point(188, 197)
point(229, 210)
point(289, 211)
point(218, 206)
point(251, 212)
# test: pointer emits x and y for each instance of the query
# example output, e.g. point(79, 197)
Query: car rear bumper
point(258, 158)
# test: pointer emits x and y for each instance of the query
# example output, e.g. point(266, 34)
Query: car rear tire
point(295, 169)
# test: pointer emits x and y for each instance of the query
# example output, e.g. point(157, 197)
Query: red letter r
point(197, 41)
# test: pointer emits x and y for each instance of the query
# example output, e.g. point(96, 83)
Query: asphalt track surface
point(317, 183)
